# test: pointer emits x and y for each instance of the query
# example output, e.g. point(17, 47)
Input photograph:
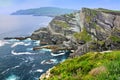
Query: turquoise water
point(17, 59)
point(19, 62)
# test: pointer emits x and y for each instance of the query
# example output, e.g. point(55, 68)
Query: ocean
point(18, 61)
point(21, 25)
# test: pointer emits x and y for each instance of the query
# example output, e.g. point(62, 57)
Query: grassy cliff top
point(91, 66)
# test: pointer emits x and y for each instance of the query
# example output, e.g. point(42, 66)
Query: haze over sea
point(22, 25)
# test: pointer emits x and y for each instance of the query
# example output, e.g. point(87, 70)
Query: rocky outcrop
point(83, 31)
point(59, 31)
point(46, 75)
point(44, 35)
point(104, 28)
point(17, 38)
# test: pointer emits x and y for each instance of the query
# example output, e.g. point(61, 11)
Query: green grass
point(90, 14)
point(78, 68)
point(62, 24)
point(107, 10)
point(115, 38)
point(71, 15)
point(88, 19)
point(83, 36)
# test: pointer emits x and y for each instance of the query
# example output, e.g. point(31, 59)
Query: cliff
point(88, 30)
point(84, 31)
point(102, 29)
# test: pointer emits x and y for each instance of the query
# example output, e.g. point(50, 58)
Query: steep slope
point(104, 28)
point(91, 66)
point(59, 30)
point(89, 30)
point(83, 31)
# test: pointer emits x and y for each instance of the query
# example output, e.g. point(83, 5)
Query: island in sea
point(44, 11)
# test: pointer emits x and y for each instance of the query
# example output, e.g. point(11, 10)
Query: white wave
point(27, 44)
point(12, 77)
point(27, 40)
point(29, 49)
point(17, 43)
point(20, 43)
point(54, 60)
point(46, 49)
point(20, 53)
point(43, 62)
point(37, 42)
point(2, 43)
point(39, 70)
point(51, 61)
point(29, 59)
point(5, 71)
point(13, 40)
point(15, 67)
point(61, 53)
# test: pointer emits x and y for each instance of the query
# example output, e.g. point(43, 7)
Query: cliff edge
point(84, 31)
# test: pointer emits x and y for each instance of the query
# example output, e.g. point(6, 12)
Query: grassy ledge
point(91, 66)
point(62, 24)
point(83, 36)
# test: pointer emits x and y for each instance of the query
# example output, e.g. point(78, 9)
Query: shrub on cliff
point(91, 66)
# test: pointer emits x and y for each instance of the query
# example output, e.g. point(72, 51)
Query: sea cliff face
point(84, 31)
point(103, 28)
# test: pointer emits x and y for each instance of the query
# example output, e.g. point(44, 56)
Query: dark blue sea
point(17, 59)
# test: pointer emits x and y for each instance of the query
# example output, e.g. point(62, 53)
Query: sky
point(9, 6)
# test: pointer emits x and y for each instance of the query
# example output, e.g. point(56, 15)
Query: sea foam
point(20, 53)
point(2, 43)
point(62, 53)
point(20, 43)
point(39, 70)
point(51, 61)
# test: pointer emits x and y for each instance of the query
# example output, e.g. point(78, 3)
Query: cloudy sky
point(9, 6)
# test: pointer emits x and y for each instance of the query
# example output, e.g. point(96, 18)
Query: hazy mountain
point(44, 11)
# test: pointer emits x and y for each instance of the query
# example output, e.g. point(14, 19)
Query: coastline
point(84, 31)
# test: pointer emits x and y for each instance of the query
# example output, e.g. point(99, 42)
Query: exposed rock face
point(86, 30)
point(44, 35)
point(46, 75)
point(104, 28)
point(59, 30)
